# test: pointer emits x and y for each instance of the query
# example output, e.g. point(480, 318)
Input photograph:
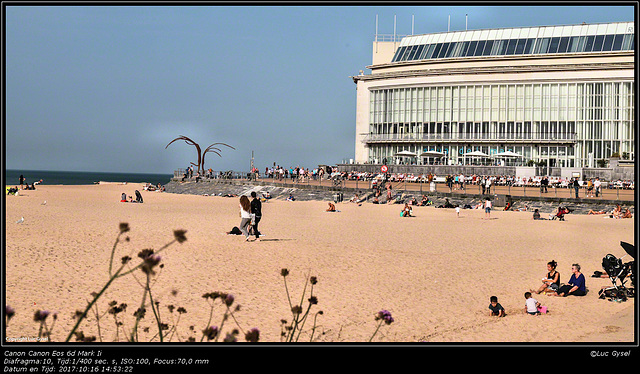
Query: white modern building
point(560, 94)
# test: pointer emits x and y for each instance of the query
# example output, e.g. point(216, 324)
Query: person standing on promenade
point(576, 186)
point(597, 185)
point(488, 185)
point(256, 209)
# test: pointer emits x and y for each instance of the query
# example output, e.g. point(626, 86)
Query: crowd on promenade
point(592, 186)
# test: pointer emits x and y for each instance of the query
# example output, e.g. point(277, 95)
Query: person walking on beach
point(256, 210)
point(487, 208)
point(21, 180)
point(245, 215)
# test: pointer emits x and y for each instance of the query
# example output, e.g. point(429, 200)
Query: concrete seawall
point(304, 192)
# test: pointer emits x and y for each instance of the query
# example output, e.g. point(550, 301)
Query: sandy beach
point(433, 272)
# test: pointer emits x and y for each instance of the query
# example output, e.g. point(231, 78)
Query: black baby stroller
point(617, 272)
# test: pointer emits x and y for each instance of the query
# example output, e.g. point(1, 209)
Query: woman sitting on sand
point(550, 283)
point(332, 208)
point(576, 285)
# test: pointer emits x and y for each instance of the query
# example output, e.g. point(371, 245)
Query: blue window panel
point(626, 43)
point(633, 39)
point(479, 48)
point(617, 42)
point(449, 53)
point(573, 44)
point(553, 45)
point(416, 56)
point(520, 46)
point(564, 43)
point(511, 47)
point(443, 50)
point(588, 46)
point(503, 50)
point(427, 51)
point(436, 50)
point(597, 44)
point(528, 47)
point(487, 48)
point(608, 43)
point(399, 53)
point(542, 45)
point(472, 48)
point(581, 44)
point(455, 49)
point(407, 53)
point(465, 47)
point(411, 53)
point(497, 47)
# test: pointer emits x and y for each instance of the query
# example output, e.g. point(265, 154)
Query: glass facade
point(571, 124)
point(520, 46)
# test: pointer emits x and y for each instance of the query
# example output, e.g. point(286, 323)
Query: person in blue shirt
point(576, 285)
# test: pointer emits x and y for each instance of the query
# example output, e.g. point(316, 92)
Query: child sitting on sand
point(531, 305)
point(406, 212)
point(495, 307)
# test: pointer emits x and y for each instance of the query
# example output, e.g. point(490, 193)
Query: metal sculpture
point(211, 148)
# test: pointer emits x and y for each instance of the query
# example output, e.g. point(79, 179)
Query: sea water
point(11, 177)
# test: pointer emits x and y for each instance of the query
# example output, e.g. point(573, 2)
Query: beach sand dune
point(434, 272)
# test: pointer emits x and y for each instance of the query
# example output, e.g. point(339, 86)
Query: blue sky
point(106, 88)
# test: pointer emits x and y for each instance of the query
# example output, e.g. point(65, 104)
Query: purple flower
point(252, 335)
point(385, 315)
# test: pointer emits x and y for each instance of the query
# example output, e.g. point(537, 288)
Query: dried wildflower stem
point(208, 322)
point(113, 250)
point(225, 316)
point(302, 322)
point(140, 312)
point(375, 332)
point(84, 314)
point(155, 313)
point(313, 329)
point(98, 321)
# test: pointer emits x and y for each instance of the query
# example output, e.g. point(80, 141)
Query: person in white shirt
point(596, 185)
point(487, 208)
point(531, 304)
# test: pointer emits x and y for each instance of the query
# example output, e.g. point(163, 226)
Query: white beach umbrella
point(432, 154)
point(507, 154)
point(476, 154)
point(406, 154)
